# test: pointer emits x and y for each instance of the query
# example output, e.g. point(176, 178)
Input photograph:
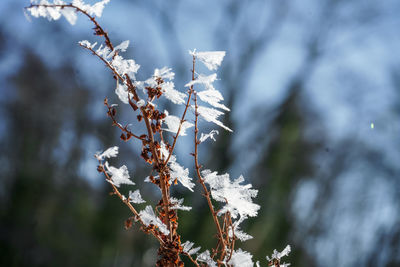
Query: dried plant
point(235, 199)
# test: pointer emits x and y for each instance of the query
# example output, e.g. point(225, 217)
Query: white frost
point(211, 134)
point(238, 197)
point(206, 257)
point(211, 115)
point(96, 9)
point(278, 255)
point(149, 217)
point(177, 204)
point(211, 59)
point(187, 247)
point(136, 197)
point(241, 258)
point(122, 92)
point(111, 152)
point(118, 175)
point(212, 97)
point(173, 123)
point(181, 174)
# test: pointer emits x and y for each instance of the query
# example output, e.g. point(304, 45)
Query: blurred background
point(314, 88)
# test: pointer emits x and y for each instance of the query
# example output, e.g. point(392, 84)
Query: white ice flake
point(211, 115)
point(135, 197)
point(125, 66)
point(141, 103)
point(96, 9)
point(181, 174)
point(111, 152)
point(212, 97)
point(278, 255)
point(173, 123)
point(206, 81)
point(149, 217)
point(187, 247)
point(122, 92)
point(206, 257)
point(70, 15)
point(167, 86)
point(177, 204)
point(210, 135)
point(87, 44)
point(118, 175)
point(238, 197)
point(241, 258)
point(164, 73)
point(176, 170)
point(211, 59)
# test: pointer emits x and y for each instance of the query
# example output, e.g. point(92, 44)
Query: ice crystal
point(188, 248)
point(238, 198)
point(205, 257)
point(122, 92)
point(210, 135)
point(177, 204)
point(135, 197)
point(211, 59)
point(111, 152)
point(173, 123)
point(167, 87)
point(118, 175)
point(278, 255)
point(241, 258)
point(148, 217)
point(211, 115)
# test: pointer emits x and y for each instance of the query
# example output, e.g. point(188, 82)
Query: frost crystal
point(55, 12)
point(176, 170)
point(212, 97)
point(206, 81)
point(211, 59)
point(205, 257)
point(118, 175)
point(238, 198)
point(211, 115)
point(181, 174)
point(122, 92)
point(135, 197)
point(278, 255)
point(96, 9)
point(111, 152)
point(173, 122)
point(149, 217)
point(177, 204)
point(241, 258)
point(167, 87)
point(187, 247)
point(204, 137)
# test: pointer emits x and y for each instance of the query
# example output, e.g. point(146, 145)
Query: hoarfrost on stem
point(149, 217)
point(136, 197)
point(118, 175)
point(238, 198)
point(173, 123)
point(111, 152)
point(211, 59)
point(241, 258)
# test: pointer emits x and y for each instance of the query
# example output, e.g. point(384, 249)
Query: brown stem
point(200, 178)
